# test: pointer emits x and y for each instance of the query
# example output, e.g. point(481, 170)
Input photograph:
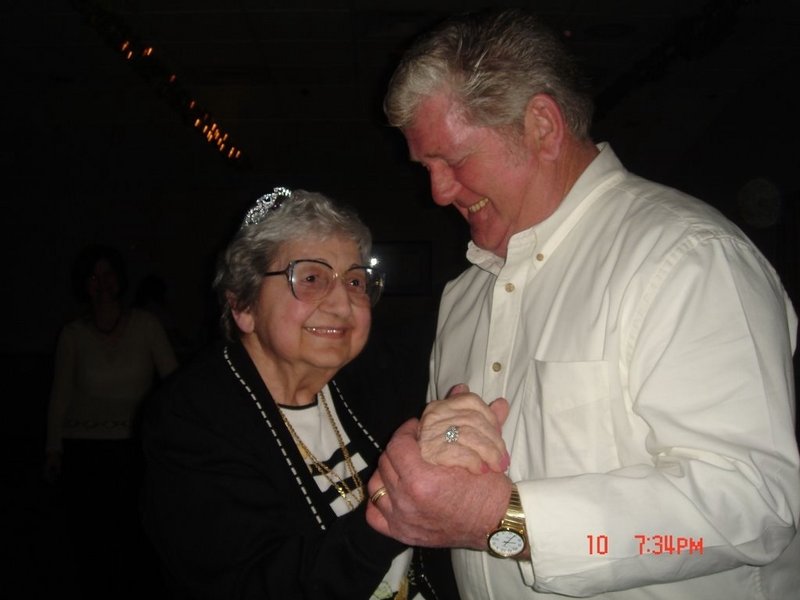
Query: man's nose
point(444, 187)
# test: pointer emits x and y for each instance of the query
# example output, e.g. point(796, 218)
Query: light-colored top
point(645, 347)
point(312, 425)
point(100, 380)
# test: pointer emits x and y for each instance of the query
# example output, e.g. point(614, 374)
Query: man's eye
point(456, 164)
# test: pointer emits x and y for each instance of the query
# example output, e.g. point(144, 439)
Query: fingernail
point(456, 389)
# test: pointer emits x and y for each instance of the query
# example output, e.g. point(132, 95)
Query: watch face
point(506, 543)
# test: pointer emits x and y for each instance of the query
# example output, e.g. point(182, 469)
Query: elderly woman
point(257, 456)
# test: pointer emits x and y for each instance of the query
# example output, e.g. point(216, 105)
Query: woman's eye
point(312, 279)
point(357, 279)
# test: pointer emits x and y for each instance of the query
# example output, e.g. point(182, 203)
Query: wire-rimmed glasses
point(311, 280)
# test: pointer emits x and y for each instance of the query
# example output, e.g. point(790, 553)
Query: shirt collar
point(525, 242)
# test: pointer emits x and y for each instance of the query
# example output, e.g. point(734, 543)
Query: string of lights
point(144, 60)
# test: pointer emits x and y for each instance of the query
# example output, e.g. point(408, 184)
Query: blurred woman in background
point(106, 362)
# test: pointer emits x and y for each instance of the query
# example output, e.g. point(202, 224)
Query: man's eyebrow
point(427, 156)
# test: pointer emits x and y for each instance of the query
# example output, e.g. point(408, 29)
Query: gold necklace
point(359, 489)
point(321, 468)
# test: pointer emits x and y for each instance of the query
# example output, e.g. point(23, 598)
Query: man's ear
point(545, 126)
point(244, 318)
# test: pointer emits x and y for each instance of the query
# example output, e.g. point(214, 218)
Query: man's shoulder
point(639, 214)
point(649, 201)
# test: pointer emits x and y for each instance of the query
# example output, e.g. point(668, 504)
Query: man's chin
point(498, 249)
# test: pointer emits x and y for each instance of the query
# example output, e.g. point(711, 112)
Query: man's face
point(489, 179)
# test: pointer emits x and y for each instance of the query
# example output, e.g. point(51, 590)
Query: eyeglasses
point(311, 280)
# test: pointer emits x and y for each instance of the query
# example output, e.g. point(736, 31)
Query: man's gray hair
point(302, 215)
point(492, 63)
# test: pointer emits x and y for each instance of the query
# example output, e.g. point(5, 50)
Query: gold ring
point(379, 493)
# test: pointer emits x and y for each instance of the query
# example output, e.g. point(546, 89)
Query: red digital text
point(652, 543)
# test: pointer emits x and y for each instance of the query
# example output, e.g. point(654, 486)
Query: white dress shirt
point(645, 347)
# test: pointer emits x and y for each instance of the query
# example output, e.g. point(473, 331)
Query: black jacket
point(225, 510)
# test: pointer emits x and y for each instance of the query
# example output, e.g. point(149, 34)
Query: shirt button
point(496, 367)
point(540, 257)
point(509, 287)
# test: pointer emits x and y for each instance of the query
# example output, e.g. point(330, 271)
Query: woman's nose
point(338, 298)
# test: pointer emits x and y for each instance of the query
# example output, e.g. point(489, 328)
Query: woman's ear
point(544, 127)
point(244, 318)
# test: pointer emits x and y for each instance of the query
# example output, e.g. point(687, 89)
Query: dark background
point(701, 95)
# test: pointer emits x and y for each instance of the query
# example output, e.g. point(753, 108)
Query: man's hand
point(433, 505)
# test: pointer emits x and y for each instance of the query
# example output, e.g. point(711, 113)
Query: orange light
point(210, 129)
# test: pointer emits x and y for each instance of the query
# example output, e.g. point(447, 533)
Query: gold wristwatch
point(509, 539)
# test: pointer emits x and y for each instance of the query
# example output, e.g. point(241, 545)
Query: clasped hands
point(442, 493)
point(480, 447)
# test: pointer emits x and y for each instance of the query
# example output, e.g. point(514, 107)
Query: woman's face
point(296, 335)
point(103, 284)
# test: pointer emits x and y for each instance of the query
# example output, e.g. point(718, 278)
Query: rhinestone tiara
point(266, 203)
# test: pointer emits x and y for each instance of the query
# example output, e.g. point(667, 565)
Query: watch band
point(515, 516)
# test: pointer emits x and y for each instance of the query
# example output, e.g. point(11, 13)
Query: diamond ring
point(451, 435)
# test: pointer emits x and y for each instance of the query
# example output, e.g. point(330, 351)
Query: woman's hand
point(52, 466)
point(479, 446)
point(423, 504)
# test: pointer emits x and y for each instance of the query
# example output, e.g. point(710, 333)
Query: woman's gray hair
point(492, 63)
point(254, 247)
